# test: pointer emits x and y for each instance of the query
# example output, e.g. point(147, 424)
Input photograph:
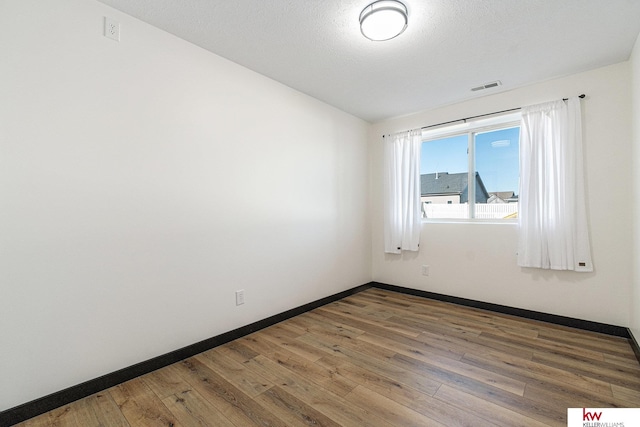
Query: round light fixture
point(383, 20)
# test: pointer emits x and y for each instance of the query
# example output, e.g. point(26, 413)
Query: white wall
point(478, 261)
point(635, 94)
point(143, 182)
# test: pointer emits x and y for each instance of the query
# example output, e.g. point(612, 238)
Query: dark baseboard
point(587, 325)
point(44, 404)
point(55, 400)
point(634, 344)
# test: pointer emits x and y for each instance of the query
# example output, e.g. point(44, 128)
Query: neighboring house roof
point(504, 196)
point(444, 183)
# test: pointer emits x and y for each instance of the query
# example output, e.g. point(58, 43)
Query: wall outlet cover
point(240, 297)
point(111, 29)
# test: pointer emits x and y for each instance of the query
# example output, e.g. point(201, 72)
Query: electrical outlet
point(425, 270)
point(240, 297)
point(111, 29)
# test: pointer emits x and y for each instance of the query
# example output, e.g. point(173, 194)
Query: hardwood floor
point(378, 358)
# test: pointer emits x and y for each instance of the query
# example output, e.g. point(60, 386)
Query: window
point(471, 170)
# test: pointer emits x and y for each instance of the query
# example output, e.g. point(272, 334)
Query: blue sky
point(496, 158)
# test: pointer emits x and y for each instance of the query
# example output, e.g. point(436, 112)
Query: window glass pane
point(497, 164)
point(444, 177)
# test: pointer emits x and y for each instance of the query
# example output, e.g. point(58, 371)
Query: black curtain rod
point(482, 115)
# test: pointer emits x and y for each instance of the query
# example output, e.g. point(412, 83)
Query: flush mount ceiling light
point(383, 20)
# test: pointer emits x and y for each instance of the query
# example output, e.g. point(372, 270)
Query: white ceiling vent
point(487, 86)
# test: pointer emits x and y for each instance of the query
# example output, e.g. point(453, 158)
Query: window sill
point(470, 221)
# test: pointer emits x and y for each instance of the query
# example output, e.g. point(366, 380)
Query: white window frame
point(471, 128)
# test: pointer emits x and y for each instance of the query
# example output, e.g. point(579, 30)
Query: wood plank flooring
point(378, 358)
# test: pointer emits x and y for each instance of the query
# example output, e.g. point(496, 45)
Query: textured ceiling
point(450, 46)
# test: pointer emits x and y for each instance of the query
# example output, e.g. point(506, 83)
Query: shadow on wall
point(540, 275)
point(404, 256)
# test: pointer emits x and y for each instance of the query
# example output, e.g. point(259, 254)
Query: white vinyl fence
point(483, 210)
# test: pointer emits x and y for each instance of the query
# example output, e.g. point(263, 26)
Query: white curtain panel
point(553, 232)
point(402, 215)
